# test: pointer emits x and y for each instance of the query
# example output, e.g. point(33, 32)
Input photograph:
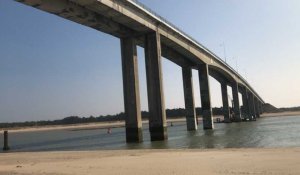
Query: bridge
point(136, 25)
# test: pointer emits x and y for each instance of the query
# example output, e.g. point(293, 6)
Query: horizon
point(80, 75)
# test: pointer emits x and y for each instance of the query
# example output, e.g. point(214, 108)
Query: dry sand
point(281, 161)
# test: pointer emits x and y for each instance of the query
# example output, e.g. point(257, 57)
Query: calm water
point(266, 132)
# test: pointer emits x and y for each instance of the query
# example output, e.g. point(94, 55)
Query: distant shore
point(81, 126)
point(117, 124)
point(282, 114)
point(277, 161)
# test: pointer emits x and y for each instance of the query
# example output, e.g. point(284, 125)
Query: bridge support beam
point(5, 142)
point(156, 102)
point(261, 108)
point(133, 120)
point(226, 111)
point(246, 107)
point(191, 118)
point(236, 103)
point(252, 106)
point(257, 110)
point(205, 97)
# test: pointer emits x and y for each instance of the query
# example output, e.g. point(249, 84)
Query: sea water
point(266, 132)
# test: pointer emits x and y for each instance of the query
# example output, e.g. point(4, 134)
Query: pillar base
point(134, 135)
point(158, 133)
point(191, 124)
point(227, 120)
point(6, 148)
point(208, 121)
point(208, 124)
point(237, 120)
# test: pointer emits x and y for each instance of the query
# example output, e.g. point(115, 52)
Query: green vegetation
point(268, 108)
point(171, 113)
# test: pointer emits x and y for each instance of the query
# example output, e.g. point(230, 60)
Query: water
point(265, 132)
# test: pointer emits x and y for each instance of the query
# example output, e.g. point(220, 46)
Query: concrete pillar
point(261, 108)
point(252, 106)
point(133, 120)
point(226, 110)
point(236, 103)
point(207, 115)
point(5, 143)
point(258, 106)
point(156, 102)
point(257, 110)
point(191, 118)
point(246, 107)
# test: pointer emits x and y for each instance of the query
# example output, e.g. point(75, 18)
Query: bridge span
point(136, 25)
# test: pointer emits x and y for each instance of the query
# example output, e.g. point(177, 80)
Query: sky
point(52, 68)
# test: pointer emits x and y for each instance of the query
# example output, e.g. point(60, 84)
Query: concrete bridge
point(136, 25)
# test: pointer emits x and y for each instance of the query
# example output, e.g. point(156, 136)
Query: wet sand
point(281, 161)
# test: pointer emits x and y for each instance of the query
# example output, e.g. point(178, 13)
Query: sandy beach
point(280, 161)
point(261, 161)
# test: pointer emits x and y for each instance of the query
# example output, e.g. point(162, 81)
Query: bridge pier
point(236, 103)
point(261, 108)
point(5, 141)
point(191, 118)
point(133, 120)
point(252, 106)
point(226, 111)
point(257, 110)
point(156, 102)
point(207, 115)
point(246, 107)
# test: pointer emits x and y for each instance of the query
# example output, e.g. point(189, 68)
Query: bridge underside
point(137, 27)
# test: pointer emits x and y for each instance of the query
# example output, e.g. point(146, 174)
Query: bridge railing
point(180, 31)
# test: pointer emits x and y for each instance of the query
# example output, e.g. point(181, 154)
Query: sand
point(280, 161)
point(282, 114)
point(99, 125)
point(275, 161)
point(87, 126)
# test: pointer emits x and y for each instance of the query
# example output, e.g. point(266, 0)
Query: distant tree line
point(268, 108)
point(171, 113)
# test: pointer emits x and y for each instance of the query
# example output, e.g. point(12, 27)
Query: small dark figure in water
point(171, 123)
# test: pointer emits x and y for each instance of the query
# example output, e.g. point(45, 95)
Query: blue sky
point(52, 68)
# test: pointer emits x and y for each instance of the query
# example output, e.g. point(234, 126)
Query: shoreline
point(281, 114)
point(278, 161)
point(118, 124)
point(87, 126)
point(80, 126)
